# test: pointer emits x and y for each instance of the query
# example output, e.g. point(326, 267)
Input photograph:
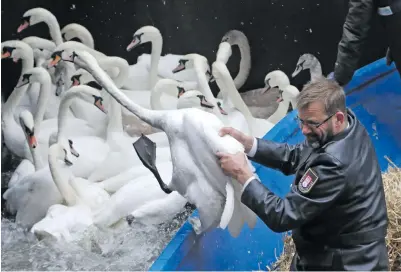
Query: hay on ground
point(392, 189)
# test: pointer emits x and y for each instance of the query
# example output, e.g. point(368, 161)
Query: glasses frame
point(303, 123)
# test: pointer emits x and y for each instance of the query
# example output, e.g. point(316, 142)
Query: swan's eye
point(70, 142)
point(25, 20)
point(72, 57)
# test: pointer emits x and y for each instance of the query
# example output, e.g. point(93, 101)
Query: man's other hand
point(235, 165)
point(245, 140)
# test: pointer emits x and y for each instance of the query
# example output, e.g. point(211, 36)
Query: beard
point(317, 140)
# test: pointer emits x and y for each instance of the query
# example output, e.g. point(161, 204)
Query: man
point(336, 207)
point(355, 32)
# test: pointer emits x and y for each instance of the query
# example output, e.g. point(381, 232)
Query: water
point(130, 248)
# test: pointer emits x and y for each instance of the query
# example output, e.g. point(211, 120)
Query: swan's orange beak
point(5, 55)
point(23, 26)
point(181, 91)
point(32, 141)
point(54, 62)
point(99, 104)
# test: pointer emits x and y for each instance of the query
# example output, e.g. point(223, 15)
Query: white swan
point(34, 193)
point(194, 140)
point(158, 65)
point(20, 50)
point(74, 30)
point(236, 37)
point(308, 61)
point(81, 197)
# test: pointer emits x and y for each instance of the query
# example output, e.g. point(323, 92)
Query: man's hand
point(235, 165)
point(245, 140)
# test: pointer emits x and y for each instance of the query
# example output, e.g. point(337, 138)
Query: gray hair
point(323, 90)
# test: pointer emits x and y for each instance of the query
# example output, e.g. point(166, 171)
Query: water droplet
point(242, 23)
point(310, 30)
point(72, 7)
point(295, 40)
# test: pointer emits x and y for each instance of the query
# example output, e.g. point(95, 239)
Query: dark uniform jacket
point(335, 208)
point(356, 30)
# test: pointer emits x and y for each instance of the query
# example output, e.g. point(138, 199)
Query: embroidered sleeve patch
point(307, 181)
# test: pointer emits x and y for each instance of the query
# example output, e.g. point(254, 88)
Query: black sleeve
point(279, 156)
point(355, 32)
point(300, 205)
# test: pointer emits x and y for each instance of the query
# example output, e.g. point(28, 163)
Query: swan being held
point(194, 141)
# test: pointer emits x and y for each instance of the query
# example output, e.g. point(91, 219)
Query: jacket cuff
point(247, 182)
point(252, 152)
point(248, 192)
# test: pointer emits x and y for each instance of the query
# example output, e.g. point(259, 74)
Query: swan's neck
point(244, 65)
point(122, 66)
point(42, 103)
point(280, 112)
point(63, 112)
point(157, 45)
point(37, 159)
point(59, 179)
point(207, 92)
point(234, 95)
point(54, 29)
point(154, 118)
point(155, 96)
point(315, 71)
point(12, 102)
point(27, 63)
point(115, 118)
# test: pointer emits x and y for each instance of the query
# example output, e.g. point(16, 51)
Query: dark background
point(279, 31)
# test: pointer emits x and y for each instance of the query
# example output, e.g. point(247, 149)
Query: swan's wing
point(24, 168)
point(160, 210)
point(228, 207)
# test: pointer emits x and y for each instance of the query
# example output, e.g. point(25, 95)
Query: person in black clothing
point(355, 32)
point(336, 206)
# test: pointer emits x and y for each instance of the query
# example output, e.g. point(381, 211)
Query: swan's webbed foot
point(196, 224)
point(146, 150)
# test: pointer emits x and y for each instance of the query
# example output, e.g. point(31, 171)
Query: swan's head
point(35, 74)
point(83, 77)
point(224, 52)
point(306, 61)
point(276, 79)
point(61, 152)
point(53, 138)
point(16, 50)
point(88, 94)
point(234, 37)
point(28, 126)
point(143, 35)
point(195, 99)
point(193, 61)
point(34, 16)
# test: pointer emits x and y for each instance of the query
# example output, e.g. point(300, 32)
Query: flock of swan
point(66, 117)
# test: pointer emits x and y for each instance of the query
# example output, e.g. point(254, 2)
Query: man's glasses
point(313, 124)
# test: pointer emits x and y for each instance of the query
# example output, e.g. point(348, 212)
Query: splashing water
point(126, 248)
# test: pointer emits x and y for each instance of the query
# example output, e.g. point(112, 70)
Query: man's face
point(316, 125)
